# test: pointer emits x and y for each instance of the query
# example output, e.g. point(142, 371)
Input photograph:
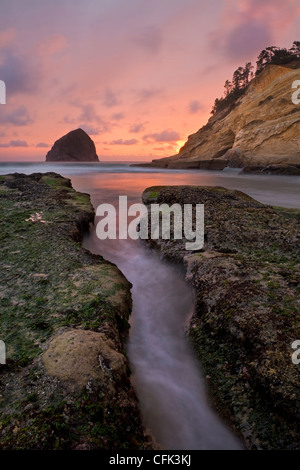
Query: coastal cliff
point(262, 127)
point(246, 317)
point(64, 321)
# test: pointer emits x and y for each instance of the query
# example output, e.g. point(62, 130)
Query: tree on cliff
point(233, 89)
point(276, 55)
point(243, 75)
point(296, 49)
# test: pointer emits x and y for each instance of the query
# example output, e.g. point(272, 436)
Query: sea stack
point(76, 146)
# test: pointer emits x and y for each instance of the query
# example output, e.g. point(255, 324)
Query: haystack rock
point(76, 146)
point(261, 128)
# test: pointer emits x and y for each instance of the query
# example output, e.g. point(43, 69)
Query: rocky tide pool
point(169, 383)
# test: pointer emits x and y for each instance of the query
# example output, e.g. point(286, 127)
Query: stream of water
point(167, 378)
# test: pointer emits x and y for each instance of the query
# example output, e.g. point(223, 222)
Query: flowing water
point(167, 379)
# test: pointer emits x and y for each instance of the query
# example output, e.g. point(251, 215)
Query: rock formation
point(246, 314)
point(66, 381)
point(76, 146)
point(288, 170)
point(261, 128)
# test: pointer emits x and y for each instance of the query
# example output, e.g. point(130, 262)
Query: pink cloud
point(150, 39)
point(167, 135)
point(17, 117)
point(110, 98)
point(152, 68)
point(123, 142)
point(148, 93)
point(248, 26)
point(247, 39)
point(53, 44)
point(7, 37)
point(15, 143)
point(195, 106)
point(136, 128)
point(118, 116)
point(42, 145)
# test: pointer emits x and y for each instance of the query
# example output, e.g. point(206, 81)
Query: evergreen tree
point(228, 87)
point(295, 49)
point(248, 73)
point(242, 76)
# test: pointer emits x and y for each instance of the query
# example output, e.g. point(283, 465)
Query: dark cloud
point(69, 120)
point(167, 135)
point(195, 106)
point(18, 117)
point(149, 93)
point(89, 119)
point(88, 113)
point(123, 142)
point(150, 39)
point(136, 128)
point(118, 116)
point(90, 129)
point(15, 143)
point(42, 145)
point(18, 143)
point(110, 98)
point(21, 73)
point(247, 39)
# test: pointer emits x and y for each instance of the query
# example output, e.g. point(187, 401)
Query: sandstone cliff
point(262, 127)
point(76, 146)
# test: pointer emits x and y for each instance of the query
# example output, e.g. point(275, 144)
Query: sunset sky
point(138, 76)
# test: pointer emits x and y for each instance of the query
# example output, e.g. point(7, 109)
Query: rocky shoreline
point(246, 315)
point(288, 170)
point(213, 165)
point(64, 320)
point(221, 164)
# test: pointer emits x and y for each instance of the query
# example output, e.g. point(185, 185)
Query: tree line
point(243, 75)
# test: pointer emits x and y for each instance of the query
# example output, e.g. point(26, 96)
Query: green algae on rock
point(247, 310)
point(64, 320)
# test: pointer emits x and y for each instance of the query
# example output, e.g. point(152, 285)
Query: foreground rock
point(247, 282)
point(64, 320)
point(76, 146)
point(261, 128)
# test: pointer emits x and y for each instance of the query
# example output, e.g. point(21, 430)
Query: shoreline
point(246, 309)
point(286, 169)
point(238, 384)
point(66, 381)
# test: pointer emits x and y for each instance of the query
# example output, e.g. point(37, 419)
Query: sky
point(138, 76)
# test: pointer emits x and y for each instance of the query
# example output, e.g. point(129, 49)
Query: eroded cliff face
point(263, 127)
